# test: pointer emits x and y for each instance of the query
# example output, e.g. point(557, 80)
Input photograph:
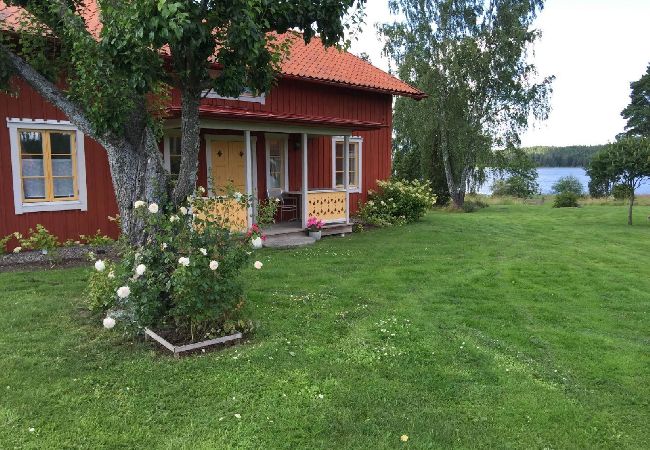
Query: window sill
point(71, 205)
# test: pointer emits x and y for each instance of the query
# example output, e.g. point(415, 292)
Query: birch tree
point(472, 59)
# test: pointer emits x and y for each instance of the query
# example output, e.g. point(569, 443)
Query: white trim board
point(14, 124)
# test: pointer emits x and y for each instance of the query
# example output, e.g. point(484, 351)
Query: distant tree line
point(570, 156)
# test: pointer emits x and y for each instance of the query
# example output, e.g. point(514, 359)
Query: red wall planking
point(289, 96)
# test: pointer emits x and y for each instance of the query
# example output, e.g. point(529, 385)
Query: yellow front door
point(228, 165)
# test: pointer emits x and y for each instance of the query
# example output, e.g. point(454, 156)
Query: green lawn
point(516, 326)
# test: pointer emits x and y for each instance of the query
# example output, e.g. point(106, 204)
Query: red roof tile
point(311, 61)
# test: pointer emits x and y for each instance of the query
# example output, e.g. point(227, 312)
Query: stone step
point(288, 241)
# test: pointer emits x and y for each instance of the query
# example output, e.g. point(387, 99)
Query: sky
point(595, 48)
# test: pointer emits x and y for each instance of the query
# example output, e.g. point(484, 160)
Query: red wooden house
point(291, 140)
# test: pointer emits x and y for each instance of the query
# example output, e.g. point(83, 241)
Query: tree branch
point(50, 92)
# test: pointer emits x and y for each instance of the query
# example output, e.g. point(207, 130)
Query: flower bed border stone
point(178, 349)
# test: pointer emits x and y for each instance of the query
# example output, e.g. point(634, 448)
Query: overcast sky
point(595, 48)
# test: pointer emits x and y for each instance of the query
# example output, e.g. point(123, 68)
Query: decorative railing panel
point(328, 206)
point(230, 213)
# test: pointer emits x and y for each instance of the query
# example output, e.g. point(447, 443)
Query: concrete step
point(288, 241)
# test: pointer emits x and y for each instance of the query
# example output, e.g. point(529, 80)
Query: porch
point(309, 166)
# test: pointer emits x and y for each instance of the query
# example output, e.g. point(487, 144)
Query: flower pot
point(256, 242)
point(315, 234)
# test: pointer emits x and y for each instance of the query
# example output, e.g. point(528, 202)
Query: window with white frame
point(246, 96)
point(48, 166)
point(172, 154)
point(338, 161)
point(277, 147)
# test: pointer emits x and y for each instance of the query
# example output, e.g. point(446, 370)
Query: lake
point(547, 176)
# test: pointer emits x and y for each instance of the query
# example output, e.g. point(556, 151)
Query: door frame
point(209, 138)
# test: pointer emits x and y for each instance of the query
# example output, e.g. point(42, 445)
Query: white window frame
point(166, 148)
point(244, 97)
point(81, 204)
point(285, 140)
point(353, 139)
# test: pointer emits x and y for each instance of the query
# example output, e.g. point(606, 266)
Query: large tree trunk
point(136, 164)
point(190, 145)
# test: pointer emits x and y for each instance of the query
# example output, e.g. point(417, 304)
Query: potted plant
point(255, 236)
point(314, 227)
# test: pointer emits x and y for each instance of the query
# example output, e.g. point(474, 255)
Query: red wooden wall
point(289, 96)
point(63, 224)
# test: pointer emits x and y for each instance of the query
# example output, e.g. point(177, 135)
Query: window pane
point(31, 142)
point(339, 178)
point(32, 166)
point(276, 164)
point(61, 166)
point(34, 188)
point(63, 187)
point(60, 143)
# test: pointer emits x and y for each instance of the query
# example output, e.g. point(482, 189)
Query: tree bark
point(629, 213)
point(135, 162)
point(456, 191)
point(190, 144)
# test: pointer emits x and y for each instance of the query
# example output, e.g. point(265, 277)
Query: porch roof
point(237, 114)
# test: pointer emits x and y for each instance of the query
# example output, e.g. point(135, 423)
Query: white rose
point(258, 265)
point(141, 269)
point(214, 265)
point(17, 249)
point(174, 218)
point(123, 292)
point(203, 251)
point(100, 265)
point(183, 261)
point(111, 274)
point(139, 204)
point(183, 210)
point(164, 245)
point(153, 208)
point(109, 323)
point(238, 196)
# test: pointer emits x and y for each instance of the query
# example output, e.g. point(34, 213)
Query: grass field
point(516, 326)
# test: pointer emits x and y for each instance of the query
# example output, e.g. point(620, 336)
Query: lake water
point(547, 176)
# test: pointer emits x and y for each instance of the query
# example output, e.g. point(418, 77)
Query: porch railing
point(327, 205)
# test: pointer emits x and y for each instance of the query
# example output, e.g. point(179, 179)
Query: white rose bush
point(185, 278)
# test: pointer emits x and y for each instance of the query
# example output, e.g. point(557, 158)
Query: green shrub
point(3, 243)
point(397, 202)
point(515, 186)
point(566, 200)
point(98, 239)
point(471, 206)
point(186, 277)
point(568, 184)
point(621, 192)
point(39, 239)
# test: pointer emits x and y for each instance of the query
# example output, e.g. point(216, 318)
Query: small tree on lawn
point(625, 162)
